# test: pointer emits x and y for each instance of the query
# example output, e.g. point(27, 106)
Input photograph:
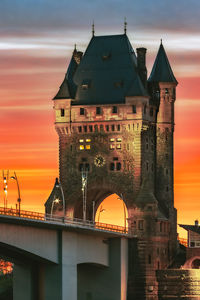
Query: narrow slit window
point(62, 112)
point(90, 128)
point(107, 127)
point(114, 109)
point(113, 127)
point(82, 111)
point(112, 167)
point(134, 109)
point(118, 127)
point(119, 166)
point(98, 110)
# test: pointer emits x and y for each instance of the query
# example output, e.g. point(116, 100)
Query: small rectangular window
point(112, 147)
point(141, 224)
point(82, 111)
point(81, 147)
point(62, 112)
point(85, 128)
point(119, 146)
point(114, 109)
point(113, 127)
point(88, 140)
point(119, 139)
point(112, 140)
point(118, 127)
point(112, 166)
point(107, 127)
point(79, 128)
point(90, 128)
point(81, 141)
point(87, 147)
point(98, 110)
point(134, 109)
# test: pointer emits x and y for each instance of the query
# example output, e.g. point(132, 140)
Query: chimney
point(141, 65)
point(196, 222)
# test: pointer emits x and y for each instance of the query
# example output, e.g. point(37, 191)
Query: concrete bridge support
point(65, 263)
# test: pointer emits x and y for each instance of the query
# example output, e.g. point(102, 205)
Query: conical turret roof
point(161, 71)
point(68, 87)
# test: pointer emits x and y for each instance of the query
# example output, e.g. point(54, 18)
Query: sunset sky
point(37, 38)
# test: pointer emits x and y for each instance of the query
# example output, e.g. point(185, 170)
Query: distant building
point(117, 126)
point(193, 248)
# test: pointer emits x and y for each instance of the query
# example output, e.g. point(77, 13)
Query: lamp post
point(59, 185)
point(100, 211)
point(19, 198)
point(52, 205)
point(124, 207)
point(84, 191)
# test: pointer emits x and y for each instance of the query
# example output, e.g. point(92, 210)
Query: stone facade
point(126, 147)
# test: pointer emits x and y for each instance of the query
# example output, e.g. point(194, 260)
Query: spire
point(125, 25)
point(161, 71)
point(93, 30)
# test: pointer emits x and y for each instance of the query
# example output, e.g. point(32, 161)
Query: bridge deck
point(15, 215)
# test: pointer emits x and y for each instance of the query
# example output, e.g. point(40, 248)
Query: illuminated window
point(81, 147)
point(88, 140)
point(81, 141)
point(112, 140)
point(62, 112)
point(118, 146)
point(119, 139)
point(112, 147)
point(87, 147)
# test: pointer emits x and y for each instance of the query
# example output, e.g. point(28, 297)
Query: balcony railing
point(24, 214)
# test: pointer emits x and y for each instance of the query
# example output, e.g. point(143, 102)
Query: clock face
point(99, 160)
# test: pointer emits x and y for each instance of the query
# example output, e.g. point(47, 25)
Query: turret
point(163, 84)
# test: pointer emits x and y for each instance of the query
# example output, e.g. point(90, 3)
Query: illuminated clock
point(99, 160)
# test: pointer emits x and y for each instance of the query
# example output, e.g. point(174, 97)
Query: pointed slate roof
point(194, 228)
point(107, 72)
point(161, 71)
point(55, 193)
point(67, 89)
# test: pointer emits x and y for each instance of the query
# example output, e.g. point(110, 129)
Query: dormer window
point(119, 84)
point(62, 112)
point(85, 84)
point(106, 56)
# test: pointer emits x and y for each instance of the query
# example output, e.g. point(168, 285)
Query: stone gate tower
point(118, 126)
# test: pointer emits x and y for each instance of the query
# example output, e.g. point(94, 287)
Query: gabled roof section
point(68, 88)
point(161, 71)
point(110, 65)
point(55, 194)
point(194, 228)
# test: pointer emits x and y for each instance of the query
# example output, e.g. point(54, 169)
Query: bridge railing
point(24, 214)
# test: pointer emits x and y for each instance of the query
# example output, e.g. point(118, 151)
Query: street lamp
point(19, 198)
point(124, 206)
point(59, 185)
point(52, 206)
point(100, 211)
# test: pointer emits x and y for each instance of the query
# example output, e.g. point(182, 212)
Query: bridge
point(60, 258)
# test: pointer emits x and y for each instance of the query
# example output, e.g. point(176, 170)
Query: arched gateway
point(115, 131)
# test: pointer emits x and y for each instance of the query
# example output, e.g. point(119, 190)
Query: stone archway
point(195, 263)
